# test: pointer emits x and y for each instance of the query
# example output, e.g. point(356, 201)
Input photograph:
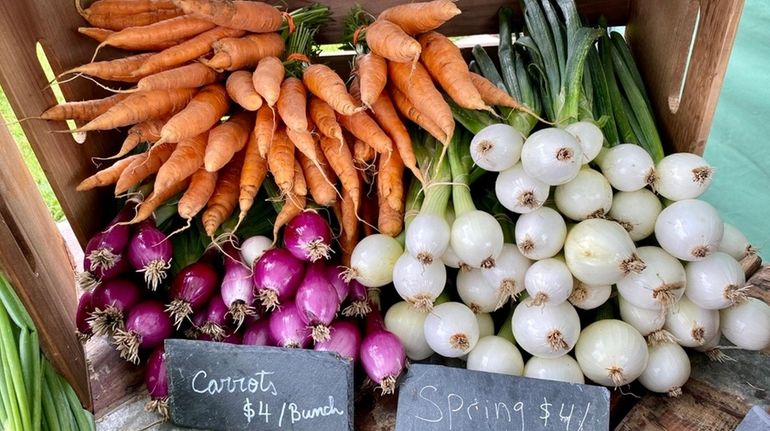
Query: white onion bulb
point(590, 138)
point(402, 319)
point(588, 195)
point(254, 247)
point(552, 156)
point(668, 368)
point(601, 252)
point(636, 212)
point(628, 167)
point(546, 330)
point(496, 147)
point(611, 352)
point(561, 369)
point(417, 283)
point(486, 324)
point(477, 293)
point(540, 234)
point(518, 192)
point(477, 238)
point(548, 281)
point(589, 296)
point(747, 325)
point(649, 323)
point(373, 259)
point(691, 325)
point(508, 273)
point(427, 237)
point(690, 229)
point(659, 285)
point(715, 282)
point(450, 259)
point(495, 354)
point(681, 176)
point(451, 329)
point(711, 349)
point(735, 243)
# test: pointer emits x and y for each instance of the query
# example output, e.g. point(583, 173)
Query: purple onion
point(308, 237)
point(111, 302)
point(150, 252)
point(287, 328)
point(359, 300)
point(258, 333)
point(382, 354)
point(345, 340)
point(277, 275)
point(215, 318)
point(233, 338)
point(336, 276)
point(191, 289)
point(88, 280)
point(238, 292)
point(83, 313)
point(147, 325)
point(157, 383)
point(317, 301)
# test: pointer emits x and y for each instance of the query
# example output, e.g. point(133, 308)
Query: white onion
point(715, 282)
point(402, 319)
point(681, 176)
point(711, 349)
point(590, 138)
point(668, 368)
point(636, 212)
point(450, 259)
point(659, 285)
point(690, 229)
point(373, 258)
point(254, 247)
point(561, 369)
point(601, 252)
point(496, 147)
point(611, 352)
point(747, 325)
point(545, 330)
point(628, 167)
point(496, 355)
point(427, 237)
point(451, 329)
point(649, 323)
point(540, 234)
point(691, 325)
point(589, 296)
point(486, 324)
point(588, 195)
point(552, 156)
point(508, 272)
point(477, 238)
point(735, 243)
point(548, 281)
point(417, 283)
point(518, 192)
point(477, 293)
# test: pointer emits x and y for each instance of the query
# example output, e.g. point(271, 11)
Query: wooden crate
point(660, 33)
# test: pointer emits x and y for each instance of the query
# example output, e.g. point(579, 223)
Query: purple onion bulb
point(277, 275)
point(382, 354)
point(147, 326)
point(238, 292)
point(287, 328)
point(191, 289)
point(84, 310)
point(359, 301)
point(336, 276)
point(258, 333)
point(308, 237)
point(317, 301)
point(344, 339)
point(157, 383)
point(150, 252)
point(111, 302)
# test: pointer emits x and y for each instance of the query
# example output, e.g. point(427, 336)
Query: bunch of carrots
point(226, 92)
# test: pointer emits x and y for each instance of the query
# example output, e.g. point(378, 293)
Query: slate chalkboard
point(220, 386)
point(435, 397)
point(756, 420)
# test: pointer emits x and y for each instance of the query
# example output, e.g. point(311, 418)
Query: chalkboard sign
point(757, 420)
point(435, 397)
point(220, 386)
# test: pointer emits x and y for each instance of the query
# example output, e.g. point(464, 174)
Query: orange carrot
point(86, 110)
point(327, 85)
point(341, 161)
point(387, 117)
point(420, 17)
point(349, 221)
point(122, 21)
point(119, 69)
point(107, 176)
point(95, 33)
point(252, 176)
point(203, 112)
point(241, 90)
point(390, 220)
point(222, 203)
point(264, 128)
point(491, 94)
point(405, 106)
point(323, 116)
point(183, 162)
point(321, 191)
point(146, 131)
point(142, 106)
point(188, 50)
point(148, 36)
point(202, 184)
point(446, 64)
point(158, 198)
point(417, 85)
point(372, 70)
point(363, 127)
point(192, 75)
point(390, 181)
point(124, 7)
point(295, 201)
point(227, 139)
point(388, 40)
point(141, 169)
point(267, 79)
point(280, 160)
point(363, 154)
point(245, 52)
point(292, 104)
point(254, 16)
